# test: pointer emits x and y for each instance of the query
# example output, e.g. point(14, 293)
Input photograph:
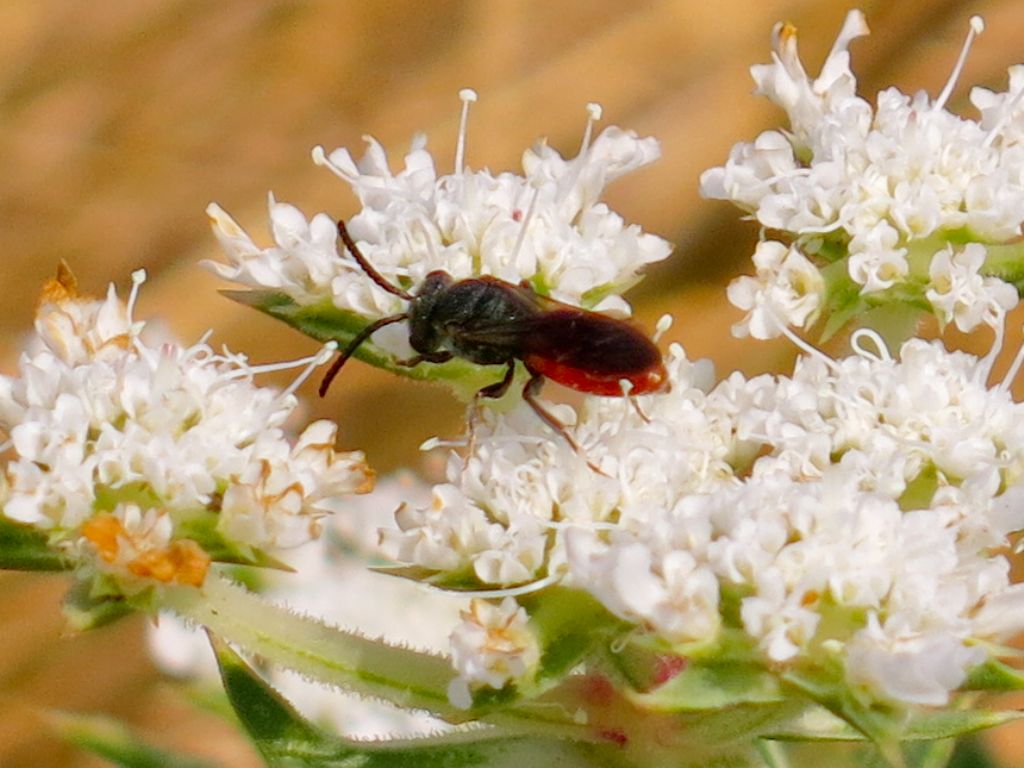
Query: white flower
point(117, 444)
point(877, 261)
point(130, 542)
point(546, 226)
point(888, 190)
point(491, 646)
point(497, 513)
point(959, 292)
point(670, 591)
point(855, 487)
point(77, 330)
point(788, 289)
point(919, 667)
point(786, 83)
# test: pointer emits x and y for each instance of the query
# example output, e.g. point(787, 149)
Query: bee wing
point(523, 316)
point(588, 341)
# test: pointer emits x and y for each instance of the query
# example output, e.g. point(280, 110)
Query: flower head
point(909, 197)
point(856, 508)
point(492, 646)
point(126, 453)
point(546, 226)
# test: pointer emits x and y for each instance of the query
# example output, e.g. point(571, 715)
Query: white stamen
point(986, 363)
point(824, 229)
point(319, 155)
point(320, 158)
point(664, 323)
point(569, 182)
point(311, 362)
point(225, 357)
point(881, 352)
point(1011, 374)
point(526, 223)
point(468, 96)
point(594, 112)
point(635, 403)
point(804, 346)
point(977, 27)
point(422, 224)
point(436, 442)
point(524, 589)
point(138, 278)
point(1008, 114)
point(315, 361)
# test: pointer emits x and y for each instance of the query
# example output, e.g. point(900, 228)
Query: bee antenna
point(353, 345)
point(372, 273)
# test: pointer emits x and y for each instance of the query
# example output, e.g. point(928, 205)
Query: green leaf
point(325, 322)
point(286, 740)
point(994, 675)
point(406, 677)
point(828, 688)
point(971, 753)
point(113, 741)
point(24, 548)
point(569, 624)
point(843, 300)
point(818, 724)
point(742, 724)
point(948, 723)
point(457, 580)
point(268, 719)
point(88, 607)
point(708, 686)
point(1006, 262)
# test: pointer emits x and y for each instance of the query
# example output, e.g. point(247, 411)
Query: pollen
point(103, 532)
point(369, 480)
point(62, 287)
point(180, 562)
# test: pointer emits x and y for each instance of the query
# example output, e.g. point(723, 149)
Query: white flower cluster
point(491, 646)
point(119, 446)
point(896, 189)
point(878, 492)
point(546, 226)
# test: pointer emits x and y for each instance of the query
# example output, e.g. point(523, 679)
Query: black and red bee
point(488, 321)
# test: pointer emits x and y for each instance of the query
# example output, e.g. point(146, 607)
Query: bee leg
point(639, 411)
point(491, 392)
point(498, 389)
point(530, 392)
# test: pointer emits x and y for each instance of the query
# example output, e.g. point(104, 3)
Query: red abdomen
point(650, 379)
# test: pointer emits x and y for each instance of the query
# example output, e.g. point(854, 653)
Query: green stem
point(334, 656)
point(309, 646)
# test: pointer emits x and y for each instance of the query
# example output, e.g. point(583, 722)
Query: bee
point(489, 321)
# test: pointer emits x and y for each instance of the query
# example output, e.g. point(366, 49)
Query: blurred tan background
point(120, 121)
